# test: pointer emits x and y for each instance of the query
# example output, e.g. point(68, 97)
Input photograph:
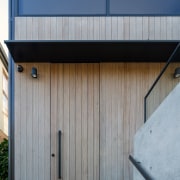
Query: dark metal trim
point(98, 15)
point(11, 120)
point(98, 41)
point(140, 168)
point(90, 51)
point(171, 58)
point(11, 164)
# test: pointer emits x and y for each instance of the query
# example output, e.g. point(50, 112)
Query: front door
point(75, 114)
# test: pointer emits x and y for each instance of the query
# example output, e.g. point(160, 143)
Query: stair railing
point(138, 166)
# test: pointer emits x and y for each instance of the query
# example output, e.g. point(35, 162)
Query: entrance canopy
point(91, 51)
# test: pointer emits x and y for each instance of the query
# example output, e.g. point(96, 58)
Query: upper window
point(62, 7)
point(97, 7)
point(145, 7)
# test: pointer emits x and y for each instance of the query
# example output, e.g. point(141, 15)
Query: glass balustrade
point(164, 84)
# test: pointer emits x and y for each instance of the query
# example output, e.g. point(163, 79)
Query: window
point(97, 7)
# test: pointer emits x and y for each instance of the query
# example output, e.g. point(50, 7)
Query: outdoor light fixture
point(20, 68)
point(177, 72)
point(34, 72)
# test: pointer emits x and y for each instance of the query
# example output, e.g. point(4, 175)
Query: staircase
point(157, 143)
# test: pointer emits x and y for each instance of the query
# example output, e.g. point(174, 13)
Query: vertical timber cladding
point(98, 108)
point(32, 123)
point(122, 90)
point(98, 28)
point(132, 82)
point(75, 111)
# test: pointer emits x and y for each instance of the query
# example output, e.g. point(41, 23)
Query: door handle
point(59, 154)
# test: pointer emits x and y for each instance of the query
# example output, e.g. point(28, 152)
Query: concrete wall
point(157, 145)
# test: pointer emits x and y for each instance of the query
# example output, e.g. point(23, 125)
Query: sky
point(3, 22)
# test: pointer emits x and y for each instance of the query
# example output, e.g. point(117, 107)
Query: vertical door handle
point(59, 154)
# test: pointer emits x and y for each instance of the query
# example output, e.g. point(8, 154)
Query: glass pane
point(164, 84)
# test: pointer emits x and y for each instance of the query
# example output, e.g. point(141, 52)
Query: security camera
point(20, 68)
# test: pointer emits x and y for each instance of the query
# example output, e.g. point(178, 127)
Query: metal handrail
point(140, 168)
point(173, 56)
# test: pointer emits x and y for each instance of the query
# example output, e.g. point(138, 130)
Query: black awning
point(90, 51)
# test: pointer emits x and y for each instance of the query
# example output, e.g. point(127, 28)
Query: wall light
point(34, 72)
point(177, 72)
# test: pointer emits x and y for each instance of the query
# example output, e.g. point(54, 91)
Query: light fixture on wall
point(34, 72)
point(177, 72)
point(20, 68)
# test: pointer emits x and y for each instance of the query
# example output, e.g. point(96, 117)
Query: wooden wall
point(75, 111)
point(122, 89)
point(97, 28)
point(121, 112)
point(32, 124)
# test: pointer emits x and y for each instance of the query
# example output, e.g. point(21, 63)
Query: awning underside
point(91, 51)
